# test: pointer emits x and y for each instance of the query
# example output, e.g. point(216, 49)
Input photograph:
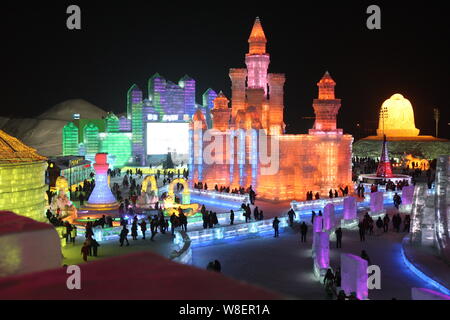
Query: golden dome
point(13, 150)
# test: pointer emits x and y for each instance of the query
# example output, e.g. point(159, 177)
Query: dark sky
point(125, 42)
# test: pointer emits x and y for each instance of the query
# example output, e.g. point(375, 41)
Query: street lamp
point(436, 119)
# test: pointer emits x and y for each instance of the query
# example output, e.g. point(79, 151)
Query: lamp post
point(436, 119)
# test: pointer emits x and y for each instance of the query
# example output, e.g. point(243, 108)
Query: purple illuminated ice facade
point(376, 202)
point(318, 224)
point(328, 217)
point(322, 250)
point(350, 211)
point(135, 105)
point(407, 195)
point(354, 275)
point(124, 124)
point(169, 98)
point(101, 195)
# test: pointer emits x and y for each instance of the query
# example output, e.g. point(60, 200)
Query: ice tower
point(101, 197)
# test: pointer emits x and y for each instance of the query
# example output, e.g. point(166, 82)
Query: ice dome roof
point(12, 150)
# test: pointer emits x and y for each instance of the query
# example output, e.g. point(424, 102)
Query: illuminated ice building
point(154, 124)
point(316, 161)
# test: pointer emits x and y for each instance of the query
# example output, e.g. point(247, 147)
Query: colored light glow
point(398, 116)
point(416, 163)
point(420, 274)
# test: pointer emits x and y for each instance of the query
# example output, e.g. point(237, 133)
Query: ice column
point(349, 208)
point(354, 275)
point(328, 217)
point(376, 202)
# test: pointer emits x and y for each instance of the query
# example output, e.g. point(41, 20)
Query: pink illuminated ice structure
point(407, 195)
point(328, 217)
point(376, 201)
point(318, 224)
point(354, 275)
point(101, 198)
point(321, 249)
point(350, 208)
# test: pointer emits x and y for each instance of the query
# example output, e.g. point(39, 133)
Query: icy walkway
point(284, 264)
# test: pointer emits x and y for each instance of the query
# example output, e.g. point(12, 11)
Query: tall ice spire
point(257, 39)
point(257, 60)
point(384, 167)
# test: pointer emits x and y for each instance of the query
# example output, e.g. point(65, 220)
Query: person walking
point(379, 225)
point(153, 227)
point(365, 256)
point(303, 231)
point(94, 245)
point(73, 234)
point(362, 231)
point(231, 217)
point(143, 226)
point(386, 223)
point(291, 215)
point(275, 225)
point(338, 233)
point(123, 236)
point(256, 213)
point(134, 228)
point(85, 250)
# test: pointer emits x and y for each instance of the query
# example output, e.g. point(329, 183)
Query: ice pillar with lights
point(329, 218)
point(321, 253)
point(376, 201)
point(350, 208)
point(407, 195)
point(354, 275)
point(101, 197)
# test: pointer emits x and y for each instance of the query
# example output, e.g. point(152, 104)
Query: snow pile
point(45, 132)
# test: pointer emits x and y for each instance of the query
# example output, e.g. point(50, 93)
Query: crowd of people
point(227, 189)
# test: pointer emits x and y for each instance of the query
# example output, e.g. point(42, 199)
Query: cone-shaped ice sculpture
point(101, 197)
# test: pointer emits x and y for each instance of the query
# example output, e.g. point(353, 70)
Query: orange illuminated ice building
point(247, 145)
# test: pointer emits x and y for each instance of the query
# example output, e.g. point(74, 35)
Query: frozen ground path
point(285, 265)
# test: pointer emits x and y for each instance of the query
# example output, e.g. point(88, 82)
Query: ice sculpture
point(407, 195)
point(61, 202)
point(350, 208)
point(318, 224)
point(399, 118)
point(321, 253)
point(101, 197)
point(328, 217)
point(354, 275)
point(319, 160)
point(376, 202)
point(149, 193)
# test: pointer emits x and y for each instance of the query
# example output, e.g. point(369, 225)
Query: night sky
point(121, 43)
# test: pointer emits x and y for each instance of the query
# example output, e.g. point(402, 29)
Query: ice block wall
point(407, 195)
point(328, 217)
point(354, 275)
point(376, 201)
point(350, 208)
